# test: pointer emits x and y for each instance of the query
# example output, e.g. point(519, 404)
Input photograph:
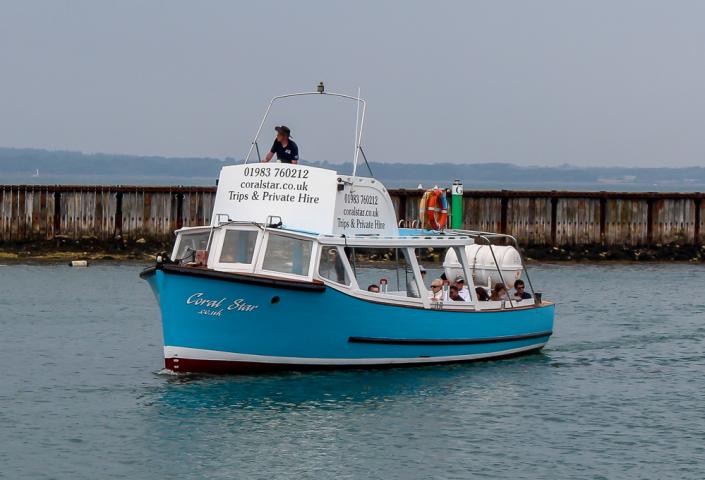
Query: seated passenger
point(463, 291)
point(499, 292)
point(373, 288)
point(482, 295)
point(519, 292)
point(454, 294)
point(437, 290)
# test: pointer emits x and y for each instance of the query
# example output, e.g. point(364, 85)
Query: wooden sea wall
point(35, 213)
point(569, 219)
point(563, 219)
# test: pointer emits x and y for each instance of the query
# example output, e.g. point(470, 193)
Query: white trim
point(216, 355)
point(437, 241)
point(424, 294)
point(259, 261)
point(180, 235)
point(467, 276)
point(401, 241)
point(217, 249)
point(205, 228)
point(346, 266)
point(387, 298)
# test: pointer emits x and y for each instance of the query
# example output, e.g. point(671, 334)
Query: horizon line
point(239, 161)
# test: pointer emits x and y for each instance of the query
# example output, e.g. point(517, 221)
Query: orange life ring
point(437, 209)
point(423, 207)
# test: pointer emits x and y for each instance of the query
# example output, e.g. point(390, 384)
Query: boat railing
point(409, 223)
point(320, 91)
point(487, 236)
point(455, 238)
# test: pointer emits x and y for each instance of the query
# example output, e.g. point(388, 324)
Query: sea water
point(619, 392)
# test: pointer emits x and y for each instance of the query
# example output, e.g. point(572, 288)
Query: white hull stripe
point(216, 355)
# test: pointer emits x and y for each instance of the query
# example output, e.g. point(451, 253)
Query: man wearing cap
point(286, 149)
point(462, 289)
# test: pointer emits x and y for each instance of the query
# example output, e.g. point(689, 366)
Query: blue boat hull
point(235, 323)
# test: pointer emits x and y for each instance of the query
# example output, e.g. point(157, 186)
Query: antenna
point(357, 135)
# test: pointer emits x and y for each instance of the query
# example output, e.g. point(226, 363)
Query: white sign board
point(363, 207)
point(304, 197)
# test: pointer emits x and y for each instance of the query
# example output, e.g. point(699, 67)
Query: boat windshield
point(238, 246)
point(332, 266)
point(387, 269)
point(288, 255)
point(188, 243)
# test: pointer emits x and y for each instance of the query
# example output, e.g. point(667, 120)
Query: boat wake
point(171, 373)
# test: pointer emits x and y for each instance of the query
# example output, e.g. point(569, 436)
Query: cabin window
point(287, 255)
point(238, 246)
point(189, 243)
point(332, 266)
point(387, 268)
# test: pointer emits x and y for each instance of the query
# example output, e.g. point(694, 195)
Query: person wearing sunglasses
point(437, 290)
point(520, 292)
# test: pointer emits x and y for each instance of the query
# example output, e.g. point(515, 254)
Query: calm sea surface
point(618, 393)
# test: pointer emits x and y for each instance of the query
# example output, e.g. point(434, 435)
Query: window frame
point(262, 250)
point(346, 265)
point(180, 236)
point(390, 298)
point(217, 243)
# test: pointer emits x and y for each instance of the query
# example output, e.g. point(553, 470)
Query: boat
point(303, 267)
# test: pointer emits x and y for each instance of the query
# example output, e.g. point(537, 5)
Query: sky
point(542, 82)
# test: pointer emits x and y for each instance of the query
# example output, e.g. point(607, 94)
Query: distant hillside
point(60, 162)
point(21, 166)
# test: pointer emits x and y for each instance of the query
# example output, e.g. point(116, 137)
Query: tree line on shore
point(22, 162)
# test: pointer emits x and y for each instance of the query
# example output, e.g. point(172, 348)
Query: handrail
point(521, 258)
point(487, 235)
point(358, 133)
point(496, 264)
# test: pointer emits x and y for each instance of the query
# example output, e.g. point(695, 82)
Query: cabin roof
point(408, 237)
